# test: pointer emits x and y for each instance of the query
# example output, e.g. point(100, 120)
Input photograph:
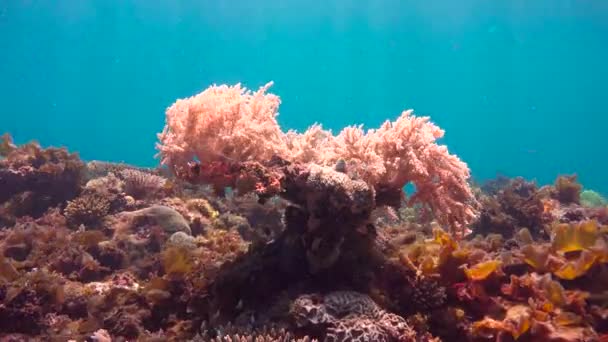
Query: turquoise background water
point(519, 86)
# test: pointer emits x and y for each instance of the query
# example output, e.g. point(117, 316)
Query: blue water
point(519, 86)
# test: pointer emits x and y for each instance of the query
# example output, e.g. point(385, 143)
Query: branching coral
point(231, 124)
point(88, 209)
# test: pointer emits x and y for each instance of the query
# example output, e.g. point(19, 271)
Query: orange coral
point(482, 270)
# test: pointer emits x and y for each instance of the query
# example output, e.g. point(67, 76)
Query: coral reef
point(299, 237)
point(224, 126)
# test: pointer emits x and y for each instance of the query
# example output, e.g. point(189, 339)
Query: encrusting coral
point(350, 316)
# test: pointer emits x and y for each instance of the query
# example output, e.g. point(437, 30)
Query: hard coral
point(141, 184)
point(231, 333)
point(88, 209)
point(592, 199)
point(111, 188)
point(350, 316)
point(233, 125)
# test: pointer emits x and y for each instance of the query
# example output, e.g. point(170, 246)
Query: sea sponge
point(167, 218)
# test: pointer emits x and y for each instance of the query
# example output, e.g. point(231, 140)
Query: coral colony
point(249, 233)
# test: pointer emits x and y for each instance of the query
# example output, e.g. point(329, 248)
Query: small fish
point(340, 166)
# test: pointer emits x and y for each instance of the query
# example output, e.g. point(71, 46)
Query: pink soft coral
point(232, 123)
point(222, 122)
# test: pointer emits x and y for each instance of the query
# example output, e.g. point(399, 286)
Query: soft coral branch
point(230, 124)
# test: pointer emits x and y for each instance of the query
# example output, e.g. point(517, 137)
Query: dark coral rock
point(428, 294)
point(23, 315)
point(52, 175)
point(516, 206)
point(572, 214)
point(568, 189)
point(109, 255)
point(121, 311)
point(263, 221)
point(76, 307)
point(28, 300)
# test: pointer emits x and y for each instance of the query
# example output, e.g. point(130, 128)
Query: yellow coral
point(554, 291)
point(578, 267)
point(574, 237)
point(482, 270)
point(444, 239)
